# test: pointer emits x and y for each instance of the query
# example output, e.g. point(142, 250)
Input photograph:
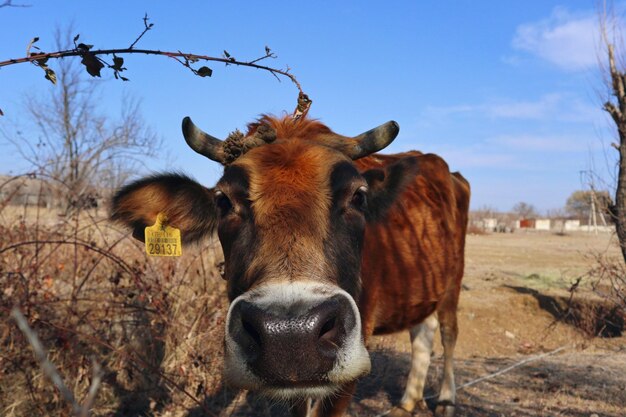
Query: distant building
point(535, 224)
point(542, 224)
point(30, 190)
point(490, 224)
point(525, 224)
point(571, 225)
point(560, 225)
point(25, 190)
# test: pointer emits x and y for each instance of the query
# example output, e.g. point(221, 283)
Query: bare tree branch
point(617, 79)
point(147, 27)
point(119, 261)
point(96, 380)
point(187, 57)
point(48, 367)
point(93, 62)
point(50, 370)
point(71, 140)
point(616, 107)
point(613, 111)
point(9, 3)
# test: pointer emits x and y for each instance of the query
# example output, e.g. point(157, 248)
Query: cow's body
point(412, 268)
point(321, 253)
point(414, 256)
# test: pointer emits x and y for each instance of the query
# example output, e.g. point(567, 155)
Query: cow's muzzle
point(294, 338)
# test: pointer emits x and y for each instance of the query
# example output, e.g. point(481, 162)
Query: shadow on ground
point(572, 385)
point(593, 317)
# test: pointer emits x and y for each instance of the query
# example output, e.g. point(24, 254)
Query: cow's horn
point(374, 140)
point(202, 142)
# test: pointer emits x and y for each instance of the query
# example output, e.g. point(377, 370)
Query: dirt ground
point(516, 354)
point(507, 316)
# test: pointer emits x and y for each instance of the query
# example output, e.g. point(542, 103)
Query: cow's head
point(290, 211)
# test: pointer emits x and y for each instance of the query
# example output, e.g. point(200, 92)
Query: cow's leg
point(422, 336)
point(336, 405)
point(449, 332)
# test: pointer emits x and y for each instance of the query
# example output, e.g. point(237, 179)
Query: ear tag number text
point(161, 239)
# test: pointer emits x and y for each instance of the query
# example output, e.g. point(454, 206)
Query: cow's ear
point(386, 186)
point(188, 205)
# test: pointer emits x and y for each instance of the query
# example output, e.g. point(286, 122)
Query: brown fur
point(413, 261)
point(284, 199)
point(287, 127)
point(412, 258)
point(184, 202)
point(302, 129)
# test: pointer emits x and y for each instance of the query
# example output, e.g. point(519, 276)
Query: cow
point(326, 243)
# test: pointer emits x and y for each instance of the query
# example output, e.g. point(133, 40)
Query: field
point(155, 326)
point(515, 284)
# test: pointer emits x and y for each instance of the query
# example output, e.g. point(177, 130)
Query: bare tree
point(556, 213)
point(485, 211)
point(615, 105)
point(73, 143)
point(525, 210)
point(580, 203)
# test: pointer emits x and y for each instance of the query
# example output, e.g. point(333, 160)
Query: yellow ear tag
point(161, 239)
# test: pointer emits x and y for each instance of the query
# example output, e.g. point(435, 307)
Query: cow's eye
point(222, 202)
point(359, 199)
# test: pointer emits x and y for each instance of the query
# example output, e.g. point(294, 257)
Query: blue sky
point(507, 92)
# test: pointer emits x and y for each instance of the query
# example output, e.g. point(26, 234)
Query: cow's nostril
point(328, 332)
point(251, 331)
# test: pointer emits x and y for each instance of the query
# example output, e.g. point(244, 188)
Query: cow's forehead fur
point(291, 176)
point(289, 128)
point(290, 194)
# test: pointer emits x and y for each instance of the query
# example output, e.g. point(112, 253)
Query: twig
point(147, 27)
point(28, 380)
point(119, 261)
point(47, 366)
point(120, 51)
point(135, 361)
point(302, 109)
point(268, 54)
point(50, 370)
point(505, 370)
point(511, 367)
point(93, 389)
point(9, 3)
point(94, 63)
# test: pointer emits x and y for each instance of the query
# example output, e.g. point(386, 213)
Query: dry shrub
point(593, 316)
point(472, 229)
point(90, 292)
point(601, 312)
point(609, 280)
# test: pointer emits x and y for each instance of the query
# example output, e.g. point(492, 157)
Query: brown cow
point(325, 244)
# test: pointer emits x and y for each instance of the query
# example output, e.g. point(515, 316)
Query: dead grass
point(156, 327)
point(475, 230)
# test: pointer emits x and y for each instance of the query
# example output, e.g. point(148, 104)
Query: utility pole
point(592, 213)
point(586, 179)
